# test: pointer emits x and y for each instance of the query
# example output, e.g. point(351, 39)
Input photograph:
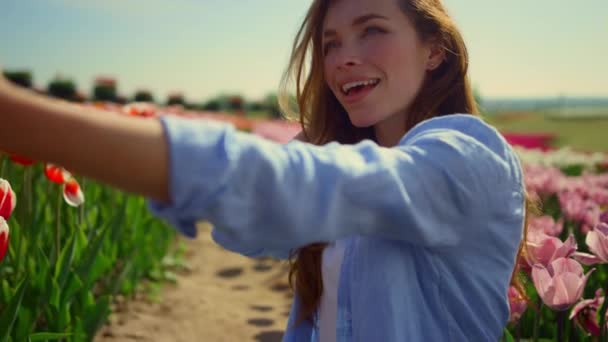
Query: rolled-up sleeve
point(267, 198)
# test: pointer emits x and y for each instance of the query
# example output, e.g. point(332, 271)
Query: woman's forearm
point(126, 152)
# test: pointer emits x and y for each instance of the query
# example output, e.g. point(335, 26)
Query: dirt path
point(225, 297)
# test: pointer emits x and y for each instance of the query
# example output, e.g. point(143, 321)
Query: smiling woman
point(401, 211)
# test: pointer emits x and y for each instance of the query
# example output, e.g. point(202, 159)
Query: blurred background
point(537, 67)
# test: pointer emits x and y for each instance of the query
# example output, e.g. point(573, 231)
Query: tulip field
point(69, 246)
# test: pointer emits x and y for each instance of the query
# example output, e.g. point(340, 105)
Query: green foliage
point(63, 89)
point(271, 104)
point(143, 96)
point(176, 99)
point(62, 288)
point(236, 103)
point(104, 92)
point(213, 105)
point(20, 77)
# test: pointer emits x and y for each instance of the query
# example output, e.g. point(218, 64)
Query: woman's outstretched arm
point(125, 152)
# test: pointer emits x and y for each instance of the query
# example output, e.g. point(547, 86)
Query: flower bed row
point(565, 264)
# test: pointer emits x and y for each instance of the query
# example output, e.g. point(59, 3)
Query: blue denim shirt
point(432, 225)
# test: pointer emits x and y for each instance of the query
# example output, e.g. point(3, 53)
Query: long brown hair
point(445, 90)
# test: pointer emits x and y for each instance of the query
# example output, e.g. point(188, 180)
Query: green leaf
point(91, 255)
point(64, 264)
point(95, 317)
point(24, 323)
point(507, 337)
point(10, 312)
point(73, 284)
point(55, 293)
point(41, 336)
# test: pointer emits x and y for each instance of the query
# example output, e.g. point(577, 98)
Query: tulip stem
point(536, 322)
point(560, 326)
point(81, 207)
point(3, 165)
point(58, 227)
point(603, 314)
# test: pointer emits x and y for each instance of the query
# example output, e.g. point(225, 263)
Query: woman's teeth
point(349, 86)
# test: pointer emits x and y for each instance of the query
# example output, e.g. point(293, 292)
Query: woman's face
point(373, 44)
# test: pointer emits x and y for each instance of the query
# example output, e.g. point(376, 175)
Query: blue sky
point(518, 48)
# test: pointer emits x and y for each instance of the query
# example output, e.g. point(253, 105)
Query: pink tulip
point(586, 313)
point(599, 195)
point(597, 241)
point(544, 250)
point(543, 180)
point(561, 284)
point(3, 237)
point(604, 217)
point(8, 199)
point(586, 258)
point(547, 224)
point(517, 304)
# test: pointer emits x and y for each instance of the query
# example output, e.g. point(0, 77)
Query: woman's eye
point(373, 29)
point(328, 46)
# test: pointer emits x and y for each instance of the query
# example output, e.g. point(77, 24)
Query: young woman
point(402, 210)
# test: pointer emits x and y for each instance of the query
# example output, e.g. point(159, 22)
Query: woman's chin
point(361, 121)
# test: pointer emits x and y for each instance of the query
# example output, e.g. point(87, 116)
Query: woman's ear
point(436, 55)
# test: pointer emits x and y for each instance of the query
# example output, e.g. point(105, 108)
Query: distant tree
point(256, 106)
point(212, 105)
point(235, 103)
point(271, 103)
point(19, 77)
point(176, 99)
point(62, 88)
point(121, 99)
point(104, 89)
point(143, 96)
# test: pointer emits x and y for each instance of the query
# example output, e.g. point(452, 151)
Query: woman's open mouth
point(356, 91)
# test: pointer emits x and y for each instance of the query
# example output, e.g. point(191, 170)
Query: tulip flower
point(561, 283)
point(517, 304)
point(8, 200)
point(585, 313)
point(72, 193)
point(21, 160)
point(56, 174)
point(3, 237)
point(547, 225)
point(604, 217)
point(141, 109)
point(543, 250)
point(597, 241)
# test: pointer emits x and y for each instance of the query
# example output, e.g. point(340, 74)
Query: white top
point(331, 265)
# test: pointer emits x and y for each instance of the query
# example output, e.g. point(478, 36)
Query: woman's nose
point(347, 56)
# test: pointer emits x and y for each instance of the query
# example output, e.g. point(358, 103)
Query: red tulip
point(72, 193)
point(8, 200)
point(21, 160)
point(56, 174)
point(142, 109)
point(3, 237)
